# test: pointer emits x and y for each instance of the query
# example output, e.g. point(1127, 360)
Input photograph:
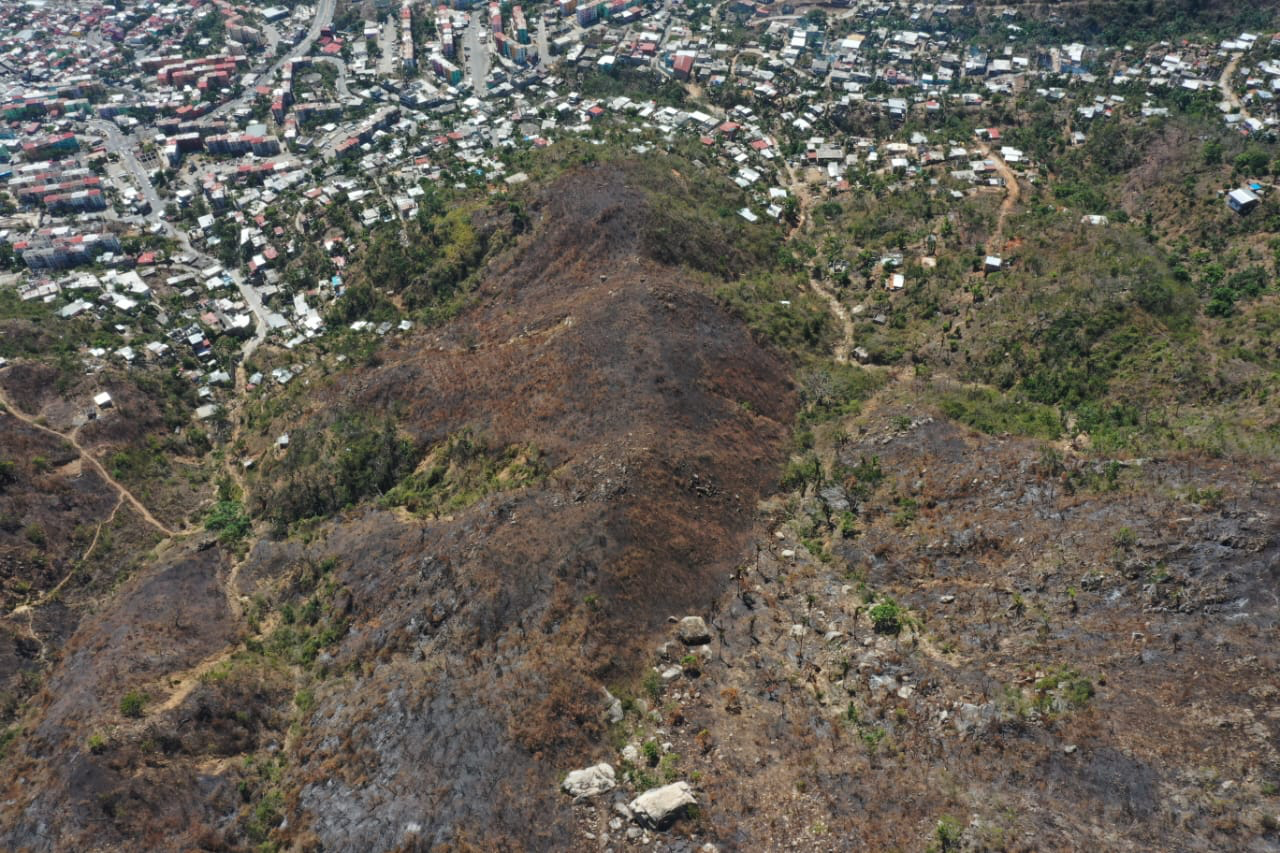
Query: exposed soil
point(808, 729)
point(134, 423)
point(88, 458)
point(1084, 657)
point(469, 676)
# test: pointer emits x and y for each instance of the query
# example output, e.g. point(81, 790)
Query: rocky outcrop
point(660, 807)
point(589, 782)
point(693, 631)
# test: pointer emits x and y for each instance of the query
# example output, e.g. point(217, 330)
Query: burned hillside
point(448, 658)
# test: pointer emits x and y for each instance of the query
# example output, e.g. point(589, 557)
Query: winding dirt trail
point(1224, 84)
point(85, 455)
point(844, 346)
point(804, 202)
point(1013, 194)
point(46, 597)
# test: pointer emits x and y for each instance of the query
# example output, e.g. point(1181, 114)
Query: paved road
point(250, 294)
point(340, 83)
point(119, 144)
point(273, 38)
point(477, 56)
point(389, 47)
point(122, 146)
point(322, 19)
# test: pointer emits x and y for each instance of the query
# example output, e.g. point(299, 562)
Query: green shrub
point(803, 471)
point(872, 737)
point(1065, 683)
point(781, 311)
point(229, 520)
point(35, 535)
point(1252, 161)
point(994, 413)
point(266, 816)
point(305, 700)
point(7, 738)
point(834, 390)
point(132, 704)
point(461, 471)
point(948, 834)
point(886, 617)
point(332, 467)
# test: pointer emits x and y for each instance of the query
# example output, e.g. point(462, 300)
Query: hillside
point(1004, 633)
point(465, 649)
point(696, 428)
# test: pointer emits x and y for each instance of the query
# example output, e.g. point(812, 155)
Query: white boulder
point(693, 631)
point(589, 782)
point(658, 807)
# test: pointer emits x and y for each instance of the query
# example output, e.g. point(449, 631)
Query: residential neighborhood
point(162, 161)
point(663, 425)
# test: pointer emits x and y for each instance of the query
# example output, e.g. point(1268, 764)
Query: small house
point(1242, 200)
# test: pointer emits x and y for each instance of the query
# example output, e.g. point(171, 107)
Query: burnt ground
point(470, 649)
point(144, 439)
point(807, 729)
point(60, 530)
point(1085, 657)
point(66, 537)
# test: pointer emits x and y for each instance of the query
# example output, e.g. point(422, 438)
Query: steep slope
point(1008, 650)
point(439, 672)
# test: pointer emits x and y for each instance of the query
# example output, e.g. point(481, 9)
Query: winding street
point(340, 82)
point(322, 19)
point(119, 144)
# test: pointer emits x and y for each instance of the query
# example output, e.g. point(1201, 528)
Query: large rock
point(612, 707)
point(589, 782)
point(836, 498)
point(658, 807)
point(975, 719)
point(693, 631)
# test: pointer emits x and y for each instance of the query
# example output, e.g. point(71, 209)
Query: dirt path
point(1224, 84)
point(183, 683)
point(845, 345)
point(804, 201)
point(746, 51)
point(57, 588)
point(1012, 196)
point(88, 457)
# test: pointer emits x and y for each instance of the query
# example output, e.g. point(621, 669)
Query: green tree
point(1252, 161)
